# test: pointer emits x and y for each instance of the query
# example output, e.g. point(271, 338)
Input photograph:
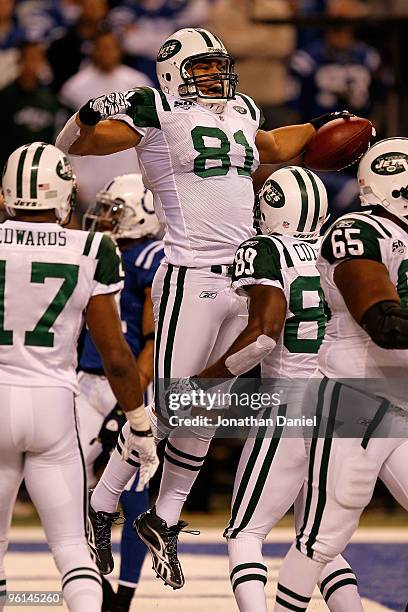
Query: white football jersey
point(347, 350)
point(47, 276)
point(198, 164)
point(289, 264)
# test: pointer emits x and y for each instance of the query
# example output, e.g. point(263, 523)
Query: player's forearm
point(145, 364)
point(289, 142)
point(122, 372)
point(85, 141)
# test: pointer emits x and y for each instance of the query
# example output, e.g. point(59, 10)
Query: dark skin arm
point(363, 283)
point(102, 319)
point(145, 358)
point(267, 313)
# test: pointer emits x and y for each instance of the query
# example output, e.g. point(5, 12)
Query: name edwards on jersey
point(25, 237)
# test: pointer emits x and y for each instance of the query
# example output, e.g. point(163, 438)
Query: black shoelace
point(172, 535)
point(103, 529)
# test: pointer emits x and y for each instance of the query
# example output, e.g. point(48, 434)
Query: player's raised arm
point(283, 144)
point(90, 132)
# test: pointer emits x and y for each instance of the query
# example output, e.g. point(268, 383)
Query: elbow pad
point(387, 325)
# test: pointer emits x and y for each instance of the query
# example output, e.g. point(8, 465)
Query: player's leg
point(341, 478)
point(56, 480)
point(89, 423)
point(337, 582)
point(269, 476)
point(394, 474)
point(191, 311)
point(207, 329)
point(132, 549)
point(11, 474)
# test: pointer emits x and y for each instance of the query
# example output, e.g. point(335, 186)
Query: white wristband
point(68, 135)
point(138, 419)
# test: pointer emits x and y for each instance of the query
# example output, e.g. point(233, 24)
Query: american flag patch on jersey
point(43, 186)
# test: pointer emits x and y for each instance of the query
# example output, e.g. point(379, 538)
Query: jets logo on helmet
point(64, 169)
point(273, 194)
point(177, 71)
point(293, 202)
point(390, 163)
point(170, 48)
point(38, 176)
point(124, 209)
point(383, 176)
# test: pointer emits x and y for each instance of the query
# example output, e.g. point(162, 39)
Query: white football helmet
point(124, 209)
point(383, 176)
point(293, 202)
point(38, 176)
point(181, 52)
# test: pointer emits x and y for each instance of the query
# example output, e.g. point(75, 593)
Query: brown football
point(338, 144)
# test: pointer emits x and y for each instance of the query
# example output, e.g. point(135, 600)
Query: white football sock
point(248, 574)
point(183, 459)
point(81, 580)
point(297, 579)
point(115, 477)
point(338, 586)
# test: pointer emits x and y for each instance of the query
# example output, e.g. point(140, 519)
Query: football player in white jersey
point(198, 143)
point(50, 279)
point(363, 363)
point(286, 324)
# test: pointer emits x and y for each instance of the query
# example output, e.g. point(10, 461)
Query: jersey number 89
point(244, 261)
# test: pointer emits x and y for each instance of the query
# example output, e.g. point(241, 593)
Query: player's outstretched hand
point(145, 447)
point(318, 122)
point(103, 107)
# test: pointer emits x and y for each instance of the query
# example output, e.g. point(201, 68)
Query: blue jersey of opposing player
point(140, 263)
point(328, 79)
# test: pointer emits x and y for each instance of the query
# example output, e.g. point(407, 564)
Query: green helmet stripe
point(305, 200)
point(316, 194)
point(218, 40)
point(23, 155)
point(207, 39)
point(34, 171)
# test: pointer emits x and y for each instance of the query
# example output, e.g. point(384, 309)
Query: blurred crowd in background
point(56, 54)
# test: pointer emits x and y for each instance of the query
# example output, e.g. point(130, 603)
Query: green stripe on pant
point(312, 456)
point(162, 313)
point(323, 468)
point(261, 480)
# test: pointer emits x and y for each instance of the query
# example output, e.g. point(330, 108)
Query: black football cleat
point(99, 537)
point(162, 540)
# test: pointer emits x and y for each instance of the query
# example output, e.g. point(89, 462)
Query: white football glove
point(146, 455)
point(111, 104)
point(100, 108)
